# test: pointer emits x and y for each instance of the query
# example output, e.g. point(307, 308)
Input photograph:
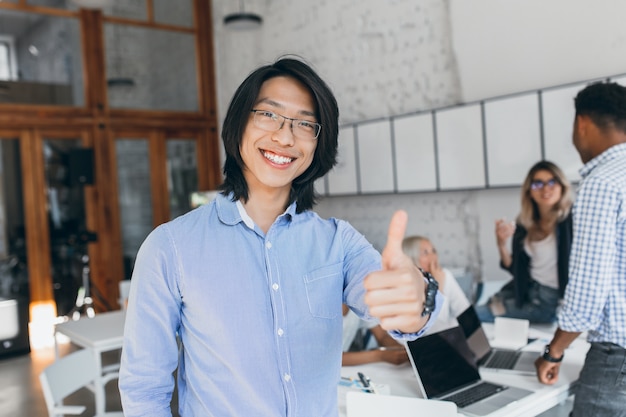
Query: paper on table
point(510, 333)
point(359, 404)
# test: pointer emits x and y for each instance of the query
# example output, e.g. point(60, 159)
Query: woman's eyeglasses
point(539, 185)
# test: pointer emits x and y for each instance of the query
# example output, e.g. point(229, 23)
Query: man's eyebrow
point(281, 106)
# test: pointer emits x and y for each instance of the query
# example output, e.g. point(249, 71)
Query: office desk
point(102, 333)
point(402, 380)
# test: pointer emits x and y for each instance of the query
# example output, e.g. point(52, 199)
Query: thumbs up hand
point(395, 295)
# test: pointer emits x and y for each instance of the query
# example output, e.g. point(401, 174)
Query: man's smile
point(277, 159)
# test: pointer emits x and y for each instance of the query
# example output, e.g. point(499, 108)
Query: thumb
point(392, 253)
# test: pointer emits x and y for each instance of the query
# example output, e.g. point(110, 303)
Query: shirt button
point(287, 377)
point(275, 287)
point(280, 332)
point(268, 245)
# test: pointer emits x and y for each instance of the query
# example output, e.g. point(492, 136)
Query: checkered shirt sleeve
point(595, 298)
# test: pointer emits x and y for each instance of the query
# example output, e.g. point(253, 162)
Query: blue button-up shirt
point(259, 315)
point(595, 298)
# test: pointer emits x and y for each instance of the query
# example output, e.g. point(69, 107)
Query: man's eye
point(268, 114)
point(306, 125)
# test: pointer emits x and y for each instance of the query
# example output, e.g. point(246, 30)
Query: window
point(8, 67)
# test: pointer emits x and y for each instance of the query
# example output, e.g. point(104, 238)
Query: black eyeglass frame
point(540, 185)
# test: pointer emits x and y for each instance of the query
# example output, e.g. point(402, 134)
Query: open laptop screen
point(444, 361)
point(474, 333)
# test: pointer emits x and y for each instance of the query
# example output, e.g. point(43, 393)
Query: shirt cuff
point(398, 335)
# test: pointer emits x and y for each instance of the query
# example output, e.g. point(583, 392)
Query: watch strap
point(546, 356)
point(431, 293)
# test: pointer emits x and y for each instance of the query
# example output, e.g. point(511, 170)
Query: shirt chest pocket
point(324, 290)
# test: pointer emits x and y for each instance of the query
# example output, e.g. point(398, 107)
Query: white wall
point(512, 46)
point(459, 223)
point(398, 56)
point(380, 58)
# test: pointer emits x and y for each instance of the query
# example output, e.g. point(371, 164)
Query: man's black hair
point(238, 115)
point(604, 103)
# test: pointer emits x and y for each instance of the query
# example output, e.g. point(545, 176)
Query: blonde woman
point(539, 259)
point(424, 255)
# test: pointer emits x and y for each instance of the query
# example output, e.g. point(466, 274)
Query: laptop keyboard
point(503, 359)
point(474, 394)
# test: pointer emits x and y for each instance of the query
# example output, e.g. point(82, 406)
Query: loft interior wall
point(407, 56)
point(507, 47)
point(380, 60)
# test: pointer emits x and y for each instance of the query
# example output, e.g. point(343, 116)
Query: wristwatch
point(431, 292)
point(546, 355)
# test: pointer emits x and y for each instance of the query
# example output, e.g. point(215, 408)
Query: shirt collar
point(244, 215)
point(613, 152)
point(231, 213)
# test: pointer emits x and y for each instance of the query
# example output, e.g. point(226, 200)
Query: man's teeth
point(277, 159)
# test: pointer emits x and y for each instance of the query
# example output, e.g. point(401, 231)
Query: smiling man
point(252, 284)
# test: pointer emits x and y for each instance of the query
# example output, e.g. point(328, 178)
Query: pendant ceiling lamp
point(242, 20)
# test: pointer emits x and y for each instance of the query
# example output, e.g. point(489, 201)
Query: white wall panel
point(558, 124)
point(342, 178)
point(415, 152)
point(460, 147)
point(513, 138)
point(375, 157)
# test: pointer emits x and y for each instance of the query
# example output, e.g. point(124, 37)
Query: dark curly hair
point(238, 115)
point(604, 103)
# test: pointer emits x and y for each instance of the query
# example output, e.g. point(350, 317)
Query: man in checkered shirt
point(595, 298)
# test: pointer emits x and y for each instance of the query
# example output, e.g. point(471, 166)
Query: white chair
point(67, 375)
point(124, 291)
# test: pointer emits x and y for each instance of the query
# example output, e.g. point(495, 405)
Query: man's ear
point(585, 127)
point(582, 123)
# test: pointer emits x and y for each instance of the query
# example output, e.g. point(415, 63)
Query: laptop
point(494, 359)
point(446, 370)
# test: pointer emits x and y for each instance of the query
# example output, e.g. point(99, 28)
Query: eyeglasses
point(272, 122)
point(539, 185)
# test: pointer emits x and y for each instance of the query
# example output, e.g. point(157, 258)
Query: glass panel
point(59, 4)
point(156, 71)
point(130, 9)
point(182, 174)
point(178, 13)
point(135, 197)
point(69, 236)
point(44, 59)
point(6, 62)
point(13, 262)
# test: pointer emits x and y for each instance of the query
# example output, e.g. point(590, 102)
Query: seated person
point(538, 260)
point(387, 349)
point(424, 254)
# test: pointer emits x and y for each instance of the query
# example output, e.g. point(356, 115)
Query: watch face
point(550, 358)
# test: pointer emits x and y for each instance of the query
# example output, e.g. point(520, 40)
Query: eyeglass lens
point(539, 184)
point(270, 121)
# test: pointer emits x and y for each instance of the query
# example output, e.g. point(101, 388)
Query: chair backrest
point(124, 291)
point(65, 376)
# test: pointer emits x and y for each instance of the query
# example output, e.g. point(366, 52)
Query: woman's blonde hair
point(411, 247)
point(529, 215)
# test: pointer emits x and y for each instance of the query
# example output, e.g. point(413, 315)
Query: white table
point(105, 332)
point(402, 380)
point(102, 333)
